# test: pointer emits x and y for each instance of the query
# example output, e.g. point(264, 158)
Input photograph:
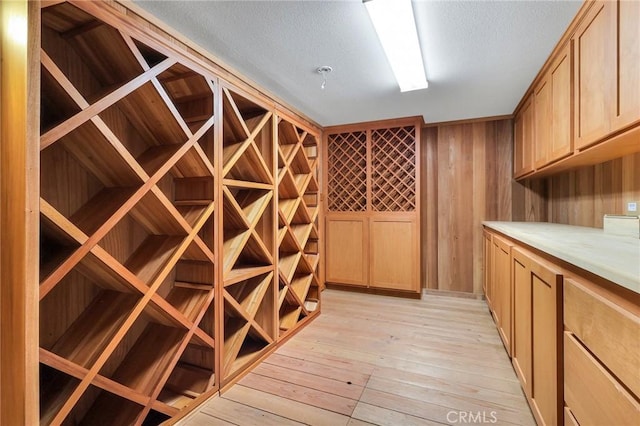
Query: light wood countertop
point(613, 257)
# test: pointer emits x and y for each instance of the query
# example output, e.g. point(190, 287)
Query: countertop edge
point(546, 238)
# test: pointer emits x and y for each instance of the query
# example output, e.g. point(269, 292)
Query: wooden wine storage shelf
point(179, 223)
point(373, 205)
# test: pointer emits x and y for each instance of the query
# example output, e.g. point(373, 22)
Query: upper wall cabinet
point(524, 135)
point(586, 100)
point(552, 112)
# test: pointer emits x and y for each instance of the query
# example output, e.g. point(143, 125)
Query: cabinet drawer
point(609, 331)
point(593, 395)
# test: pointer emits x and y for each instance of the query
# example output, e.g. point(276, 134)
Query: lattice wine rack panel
point(248, 229)
point(127, 271)
point(298, 209)
point(393, 179)
point(347, 172)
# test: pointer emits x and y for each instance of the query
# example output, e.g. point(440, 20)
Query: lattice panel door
point(347, 174)
point(393, 180)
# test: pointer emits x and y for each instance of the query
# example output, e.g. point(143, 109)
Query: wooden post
point(19, 112)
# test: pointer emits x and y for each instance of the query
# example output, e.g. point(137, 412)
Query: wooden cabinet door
point(487, 284)
point(595, 57)
point(561, 138)
point(394, 260)
point(346, 251)
point(502, 278)
point(522, 351)
point(524, 138)
point(627, 108)
point(543, 122)
point(546, 322)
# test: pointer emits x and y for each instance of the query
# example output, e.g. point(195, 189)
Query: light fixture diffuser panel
point(395, 25)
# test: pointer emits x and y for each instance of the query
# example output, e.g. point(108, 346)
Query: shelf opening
point(151, 56)
point(88, 315)
point(190, 92)
point(144, 353)
point(56, 105)
point(92, 54)
point(55, 388)
point(99, 407)
point(55, 246)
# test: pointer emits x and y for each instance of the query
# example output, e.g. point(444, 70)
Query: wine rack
point(347, 172)
point(298, 223)
point(373, 207)
point(127, 263)
point(393, 153)
point(179, 223)
point(248, 170)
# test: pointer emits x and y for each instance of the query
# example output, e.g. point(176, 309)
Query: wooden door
point(543, 122)
point(393, 254)
point(627, 108)
point(346, 251)
point(595, 47)
point(524, 137)
point(546, 295)
point(521, 356)
point(561, 141)
point(502, 277)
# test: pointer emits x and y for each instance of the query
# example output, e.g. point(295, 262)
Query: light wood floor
point(380, 360)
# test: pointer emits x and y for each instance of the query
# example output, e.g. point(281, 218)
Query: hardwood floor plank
point(284, 407)
point(242, 414)
point(299, 393)
point(341, 373)
point(201, 419)
point(285, 374)
point(386, 417)
point(450, 401)
point(409, 362)
point(356, 422)
point(512, 400)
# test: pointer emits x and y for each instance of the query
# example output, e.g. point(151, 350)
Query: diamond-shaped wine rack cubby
point(393, 164)
point(128, 205)
point(298, 209)
point(248, 230)
point(347, 172)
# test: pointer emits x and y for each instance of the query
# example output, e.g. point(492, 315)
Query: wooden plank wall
point(580, 197)
point(467, 180)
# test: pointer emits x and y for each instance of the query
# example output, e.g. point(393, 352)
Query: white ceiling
point(480, 56)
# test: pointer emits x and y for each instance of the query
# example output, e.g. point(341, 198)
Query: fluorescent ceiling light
point(396, 28)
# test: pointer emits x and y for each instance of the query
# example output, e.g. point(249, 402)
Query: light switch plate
point(632, 208)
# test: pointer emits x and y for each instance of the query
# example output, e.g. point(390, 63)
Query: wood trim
point(377, 124)
point(468, 121)
point(19, 219)
point(371, 290)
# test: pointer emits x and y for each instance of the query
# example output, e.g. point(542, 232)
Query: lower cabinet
point(537, 346)
point(574, 338)
point(601, 354)
point(500, 258)
point(373, 252)
point(346, 250)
